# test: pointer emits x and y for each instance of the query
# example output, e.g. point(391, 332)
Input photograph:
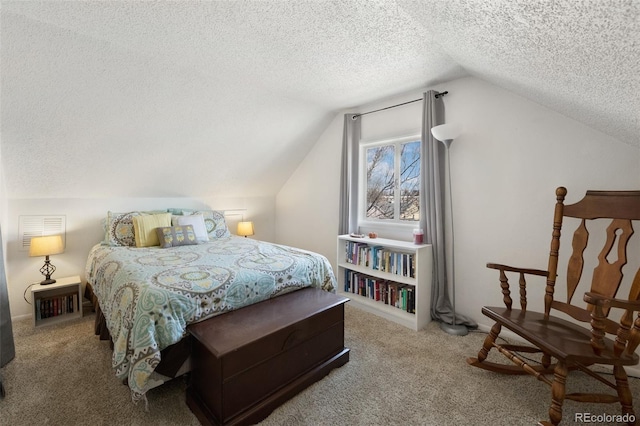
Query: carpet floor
point(61, 375)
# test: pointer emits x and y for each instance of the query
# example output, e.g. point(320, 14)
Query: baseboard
point(20, 317)
point(633, 371)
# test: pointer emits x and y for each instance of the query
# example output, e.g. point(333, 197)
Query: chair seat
point(559, 338)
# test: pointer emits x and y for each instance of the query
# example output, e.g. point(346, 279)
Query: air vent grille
point(38, 226)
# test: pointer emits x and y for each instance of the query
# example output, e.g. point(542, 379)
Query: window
point(390, 185)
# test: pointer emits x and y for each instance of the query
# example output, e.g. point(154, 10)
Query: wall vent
point(38, 226)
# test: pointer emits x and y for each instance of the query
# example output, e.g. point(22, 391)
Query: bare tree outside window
point(380, 182)
point(388, 199)
point(410, 181)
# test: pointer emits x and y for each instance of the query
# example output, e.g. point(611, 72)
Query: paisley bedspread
point(149, 295)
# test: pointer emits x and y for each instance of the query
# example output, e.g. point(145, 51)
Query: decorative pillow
point(119, 229)
point(214, 222)
point(197, 222)
point(173, 236)
point(144, 228)
point(175, 211)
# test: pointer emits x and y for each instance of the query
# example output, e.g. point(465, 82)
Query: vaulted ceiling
point(191, 98)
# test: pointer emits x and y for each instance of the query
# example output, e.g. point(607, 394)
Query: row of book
point(380, 258)
point(402, 296)
point(57, 305)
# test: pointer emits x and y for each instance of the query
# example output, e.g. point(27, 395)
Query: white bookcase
point(415, 278)
point(57, 302)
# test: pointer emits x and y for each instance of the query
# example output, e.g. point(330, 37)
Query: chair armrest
point(628, 331)
point(507, 268)
point(606, 302)
point(504, 282)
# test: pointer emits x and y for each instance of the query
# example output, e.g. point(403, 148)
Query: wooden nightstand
point(54, 303)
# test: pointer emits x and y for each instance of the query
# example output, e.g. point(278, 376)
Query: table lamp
point(245, 228)
point(46, 246)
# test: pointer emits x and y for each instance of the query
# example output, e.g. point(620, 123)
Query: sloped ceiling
point(154, 99)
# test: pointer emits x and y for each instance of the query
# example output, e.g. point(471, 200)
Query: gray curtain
point(7, 349)
point(349, 175)
point(432, 209)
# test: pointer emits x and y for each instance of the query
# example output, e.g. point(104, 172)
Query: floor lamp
point(446, 133)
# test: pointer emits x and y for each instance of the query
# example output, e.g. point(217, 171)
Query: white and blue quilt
point(149, 295)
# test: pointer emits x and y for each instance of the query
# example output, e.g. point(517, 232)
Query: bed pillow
point(174, 236)
point(214, 222)
point(119, 229)
point(198, 224)
point(144, 228)
point(175, 211)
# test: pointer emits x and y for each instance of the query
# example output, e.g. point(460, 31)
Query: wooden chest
point(246, 363)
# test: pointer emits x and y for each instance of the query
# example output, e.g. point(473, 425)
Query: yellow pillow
point(144, 228)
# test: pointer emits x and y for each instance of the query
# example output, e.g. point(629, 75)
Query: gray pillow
point(173, 236)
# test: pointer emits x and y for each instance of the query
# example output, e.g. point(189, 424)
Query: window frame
point(363, 220)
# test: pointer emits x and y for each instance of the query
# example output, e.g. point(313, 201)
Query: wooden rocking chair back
point(572, 345)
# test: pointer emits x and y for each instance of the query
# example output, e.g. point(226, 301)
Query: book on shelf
point(57, 305)
point(401, 296)
point(380, 258)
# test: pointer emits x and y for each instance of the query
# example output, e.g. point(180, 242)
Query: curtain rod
point(354, 116)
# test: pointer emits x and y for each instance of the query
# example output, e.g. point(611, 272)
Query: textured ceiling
point(118, 96)
point(578, 57)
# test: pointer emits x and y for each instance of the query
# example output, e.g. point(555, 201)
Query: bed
point(148, 295)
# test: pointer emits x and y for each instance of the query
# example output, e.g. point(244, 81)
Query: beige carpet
point(61, 376)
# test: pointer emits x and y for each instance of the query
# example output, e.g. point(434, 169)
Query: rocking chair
point(569, 344)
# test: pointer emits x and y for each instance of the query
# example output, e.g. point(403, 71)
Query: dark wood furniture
point(567, 344)
point(246, 363)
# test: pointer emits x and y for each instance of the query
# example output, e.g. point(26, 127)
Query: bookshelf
point(386, 277)
point(57, 302)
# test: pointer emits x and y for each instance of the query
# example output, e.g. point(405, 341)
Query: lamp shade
point(45, 246)
point(446, 132)
point(245, 228)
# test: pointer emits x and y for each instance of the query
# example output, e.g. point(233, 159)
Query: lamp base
point(455, 329)
point(47, 270)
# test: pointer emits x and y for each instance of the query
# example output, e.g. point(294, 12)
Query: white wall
point(84, 230)
point(307, 205)
point(505, 168)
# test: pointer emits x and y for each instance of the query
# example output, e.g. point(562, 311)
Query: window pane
point(380, 182)
point(410, 181)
